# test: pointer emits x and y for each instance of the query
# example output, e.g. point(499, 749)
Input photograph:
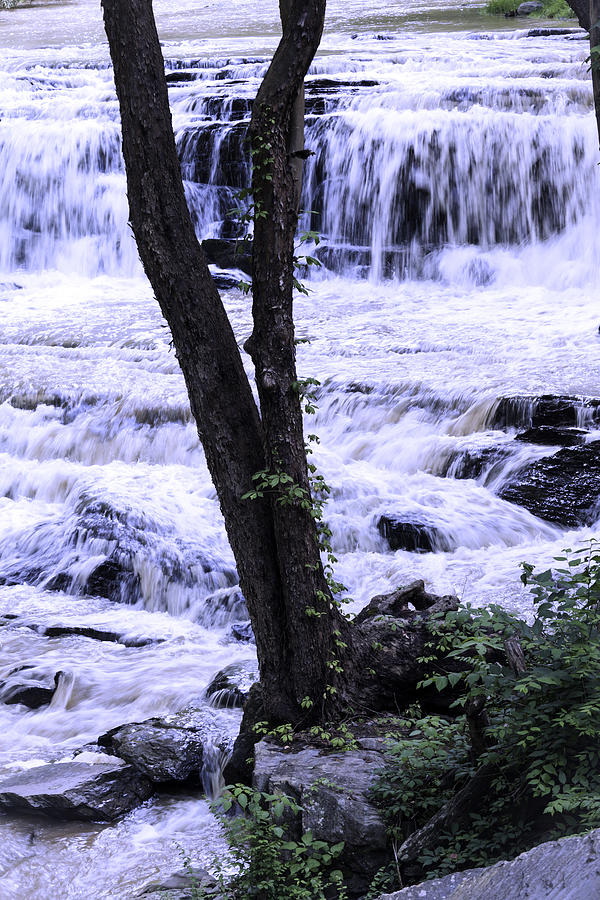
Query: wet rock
point(97, 634)
point(186, 884)
point(242, 631)
point(225, 282)
point(131, 541)
point(532, 6)
point(229, 254)
point(408, 535)
point(472, 463)
point(33, 693)
point(170, 749)
point(76, 790)
point(180, 77)
point(546, 410)
point(562, 488)
point(230, 687)
point(552, 32)
point(547, 434)
point(216, 154)
point(332, 790)
point(224, 606)
point(568, 869)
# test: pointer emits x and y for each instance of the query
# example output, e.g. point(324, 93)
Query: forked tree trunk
point(274, 544)
point(305, 647)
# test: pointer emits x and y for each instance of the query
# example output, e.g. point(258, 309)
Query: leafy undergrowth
point(541, 738)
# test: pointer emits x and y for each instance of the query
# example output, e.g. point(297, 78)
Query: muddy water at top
point(453, 182)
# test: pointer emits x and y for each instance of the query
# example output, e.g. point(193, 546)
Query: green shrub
point(544, 721)
point(263, 863)
point(501, 7)
point(553, 9)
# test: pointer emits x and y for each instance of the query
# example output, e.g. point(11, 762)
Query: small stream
point(454, 183)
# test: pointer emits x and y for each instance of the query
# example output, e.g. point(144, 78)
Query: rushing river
point(455, 183)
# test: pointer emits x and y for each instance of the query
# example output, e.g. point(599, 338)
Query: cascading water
point(454, 183)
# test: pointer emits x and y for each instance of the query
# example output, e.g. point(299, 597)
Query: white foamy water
point(455, 184)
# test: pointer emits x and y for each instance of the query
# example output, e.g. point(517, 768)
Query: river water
point(455, 183)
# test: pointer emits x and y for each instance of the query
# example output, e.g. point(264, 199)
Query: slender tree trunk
point(588, 14)
point(312, 620)
point(295, 143)
point(594, 28)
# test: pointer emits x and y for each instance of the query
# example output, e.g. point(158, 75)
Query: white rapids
point(455, 183)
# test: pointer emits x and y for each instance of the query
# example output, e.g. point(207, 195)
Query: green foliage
point(263, 863)
point(501, 7)
point(544, 721)
point(553, 9)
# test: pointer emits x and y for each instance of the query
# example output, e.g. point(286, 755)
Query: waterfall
point(453, 181)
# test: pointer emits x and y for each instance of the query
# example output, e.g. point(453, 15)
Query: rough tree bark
point(588, 15)
point(306, 648)
point(274, 544)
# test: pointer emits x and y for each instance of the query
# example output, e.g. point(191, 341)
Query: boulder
point(403, 534)
point(76, 790)
point(562, 488)
point(187, 884)
point(229, 254)
point(332, 790)
point(35, 693)
point(230, 687)
point(568, 869)
point(529, 8)
point(242, 631)
point(170, 749)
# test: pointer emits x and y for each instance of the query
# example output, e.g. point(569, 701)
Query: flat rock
point(170, 749)
point(552, 436)
point(76, 790)
point(562, 488)
point(332, 790)
point(558, 870)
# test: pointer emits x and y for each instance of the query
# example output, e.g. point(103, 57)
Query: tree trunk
point(588, 14)
point(274, 545)
point(594, 28)
point(313, 663)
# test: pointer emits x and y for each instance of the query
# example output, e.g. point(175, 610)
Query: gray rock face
point(169, 749)
point(402, 534)
point(230, 687)
point(562, 488)
point(526, 9)
point(559, 870)
point(76, 790)
point(332, 789)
